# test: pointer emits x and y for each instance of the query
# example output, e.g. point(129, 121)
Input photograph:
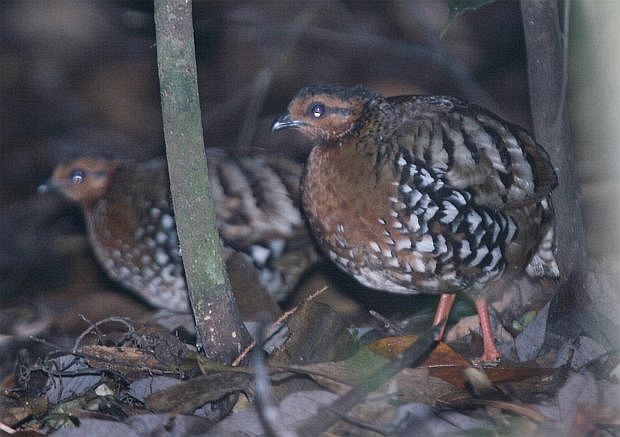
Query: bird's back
point(498, 162)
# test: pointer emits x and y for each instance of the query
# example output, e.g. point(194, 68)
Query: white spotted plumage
point(257, 206)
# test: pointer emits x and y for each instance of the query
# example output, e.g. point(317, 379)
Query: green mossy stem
point(220, 331)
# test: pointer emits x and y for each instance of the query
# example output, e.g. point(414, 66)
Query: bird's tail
point(543, 263)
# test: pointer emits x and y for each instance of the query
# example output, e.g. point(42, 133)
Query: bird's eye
point(317, 110)
point(77, 176)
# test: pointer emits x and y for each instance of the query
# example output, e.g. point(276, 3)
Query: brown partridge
point(132, 231)
point(424, 194)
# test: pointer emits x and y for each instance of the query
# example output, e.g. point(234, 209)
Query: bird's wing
point(256, 197)
point(256, 200)
point(498, 163)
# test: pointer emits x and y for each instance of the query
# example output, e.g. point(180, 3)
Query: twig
point(565, 34)
point(45, 342)
point(260, 85)
point(267, 410)
point(98, 333)
point(391, 47)
point(280, 320)
point(95, 326)
point(7, 429)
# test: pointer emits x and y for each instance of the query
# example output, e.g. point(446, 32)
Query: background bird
point(424, 194)
point(132, 231)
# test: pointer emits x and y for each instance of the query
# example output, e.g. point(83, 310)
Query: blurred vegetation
point(594, 75)
point(80, 76)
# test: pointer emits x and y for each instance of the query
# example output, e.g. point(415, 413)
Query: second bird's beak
point(45, 187)
point(49, 186)
point(284, 122)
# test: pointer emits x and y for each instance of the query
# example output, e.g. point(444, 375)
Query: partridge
point(132, 231)
point(424, 194)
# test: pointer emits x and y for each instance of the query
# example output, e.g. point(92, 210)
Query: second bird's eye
point(317, 110)
point(77, 177)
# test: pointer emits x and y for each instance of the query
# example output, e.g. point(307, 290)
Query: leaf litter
point(323, 377)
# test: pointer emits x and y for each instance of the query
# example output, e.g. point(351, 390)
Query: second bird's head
point(325, 112)
point(82, 180)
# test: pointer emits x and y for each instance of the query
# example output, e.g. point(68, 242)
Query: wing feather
point(497, 162)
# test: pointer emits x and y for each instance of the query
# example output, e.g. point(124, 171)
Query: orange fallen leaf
point(445, 363)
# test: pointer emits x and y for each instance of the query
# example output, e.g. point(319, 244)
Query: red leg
point(442, 312)
point(490, 351)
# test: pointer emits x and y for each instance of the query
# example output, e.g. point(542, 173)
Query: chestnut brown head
point(83, 180)
point(325, 112)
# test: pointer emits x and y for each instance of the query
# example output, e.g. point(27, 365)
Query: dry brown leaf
point(187, 396)
point(132, 363)
point(447, 364)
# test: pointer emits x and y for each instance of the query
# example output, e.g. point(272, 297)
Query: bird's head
point(82, 180)
point(325, 112)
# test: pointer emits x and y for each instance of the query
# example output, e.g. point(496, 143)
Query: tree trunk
point(547, 80)
point(220, 331)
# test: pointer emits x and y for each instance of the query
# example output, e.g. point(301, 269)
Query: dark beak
point(285, 122)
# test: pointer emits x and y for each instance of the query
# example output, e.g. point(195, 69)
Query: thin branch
point(95, 327)
point(361, 424)
point(220, 331)
point(565, 40)
point(268, 412)
point(431, 37)
point(523, 410)
point(7, 429)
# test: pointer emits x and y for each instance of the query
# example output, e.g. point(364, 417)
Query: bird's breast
point(345, 203)
point(340, 194)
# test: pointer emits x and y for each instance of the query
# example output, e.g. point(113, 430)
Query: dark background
point(78, 76)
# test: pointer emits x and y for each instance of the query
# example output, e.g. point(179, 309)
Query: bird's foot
point(490, 354)
point(442, 313)
point(487, 359)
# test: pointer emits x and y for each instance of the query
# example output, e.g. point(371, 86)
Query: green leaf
point(458, 7)
point(528, 317)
